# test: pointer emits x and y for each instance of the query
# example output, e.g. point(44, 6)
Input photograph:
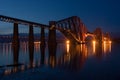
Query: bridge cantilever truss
point(73, 28)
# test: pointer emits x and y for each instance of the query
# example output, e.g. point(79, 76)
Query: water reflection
point(31, 55)
point(63, 56)
point(106, 47)
point(42, 48)
point(76, 55)
point(52, 54)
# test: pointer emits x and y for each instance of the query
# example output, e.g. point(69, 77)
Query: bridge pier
point(31, 36)
point(42, 39)
point(52, 44)
point(52, 34)
point(15, 46)
point(15, 41)
point(31, 45)
point(42, 45)
point(98, 35)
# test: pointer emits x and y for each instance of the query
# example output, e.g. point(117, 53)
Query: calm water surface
point(84, 61)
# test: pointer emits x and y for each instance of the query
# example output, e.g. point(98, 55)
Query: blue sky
point(93, 13)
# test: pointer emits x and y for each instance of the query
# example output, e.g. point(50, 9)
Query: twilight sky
point(94, 13)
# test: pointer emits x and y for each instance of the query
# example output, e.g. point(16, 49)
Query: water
point(91, 61)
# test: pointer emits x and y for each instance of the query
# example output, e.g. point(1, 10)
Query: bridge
point(72, 28)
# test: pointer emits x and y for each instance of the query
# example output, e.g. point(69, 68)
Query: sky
point(93, 13)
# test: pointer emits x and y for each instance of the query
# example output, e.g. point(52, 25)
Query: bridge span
point(72, 28)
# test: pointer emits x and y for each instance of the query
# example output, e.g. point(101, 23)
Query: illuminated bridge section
point(73, 28)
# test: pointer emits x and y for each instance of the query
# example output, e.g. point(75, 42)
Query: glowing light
point(86, 35)
point(67, 57)
point(94, 42)
point(67, 41)
point(80, 41)
point(105, 38)
point(94, 46)
point(68, 46)
point(104, 42)
point(110, 42)
point(110, 47)
point(37, 42)
point(105, 47)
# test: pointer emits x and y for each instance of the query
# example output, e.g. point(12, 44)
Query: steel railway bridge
point(72, 28)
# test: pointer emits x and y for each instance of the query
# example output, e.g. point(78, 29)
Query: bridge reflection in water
point(64, 56)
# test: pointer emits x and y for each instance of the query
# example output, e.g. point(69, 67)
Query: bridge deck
point(20, 21)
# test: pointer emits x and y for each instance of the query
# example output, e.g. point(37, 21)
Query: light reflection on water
point(64, 55)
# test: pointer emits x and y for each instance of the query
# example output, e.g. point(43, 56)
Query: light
point(104, 42)
point(86, 35)
point(37, 42)
point(110, 42)
point(94, 41)
point(105, 38)
point(107, 46)
point(68, 45)
point(94, 46)
point(67, 41)
point(81, 42)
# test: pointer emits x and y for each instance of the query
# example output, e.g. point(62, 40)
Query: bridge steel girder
point(65, 24)
point(69, 24)
point(74, 28)
point(58, 26)
point(83, 32)
point(20, 21)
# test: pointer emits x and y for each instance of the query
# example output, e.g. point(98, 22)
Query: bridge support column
point(31, 36)
point(15, 45)
point(52, 44)
point(42, 39)
point(31, 45)
point(52, 34)
point(15, 35)
point(42, 45)
point(98, 35)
